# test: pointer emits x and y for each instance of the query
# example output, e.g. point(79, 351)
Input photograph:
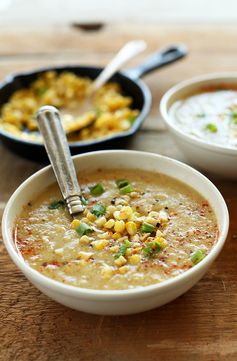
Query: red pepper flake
point(28, 251)
point(51, 263)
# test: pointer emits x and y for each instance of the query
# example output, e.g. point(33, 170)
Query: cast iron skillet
point(129, 81)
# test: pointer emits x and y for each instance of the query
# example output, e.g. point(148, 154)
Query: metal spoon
point(57, 148)
point(128, 51)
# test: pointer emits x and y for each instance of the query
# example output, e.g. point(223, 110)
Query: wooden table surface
point(200, 325)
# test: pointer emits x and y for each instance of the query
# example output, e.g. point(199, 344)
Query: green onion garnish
point(126, 189)
point(132, 119)
point(57, 204)
point(98, 210)
point(197, 256)
point(97, 190)
point(98, 112)
point(152, 248)
point(211, 128)
point(83, 228)
point(42, 90)
point(84, 201)
point(200, 115)
point(122, 183)
point(233, 117)
point(123, 248)
point(147, 228)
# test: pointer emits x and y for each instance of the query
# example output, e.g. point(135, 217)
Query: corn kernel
point(75, 223)
point(163, 216)
point(109, 224)
point(163, 243)
point(58, 251)
point(119, 226)
point(116, 215)
point(116, 235)
point(85, 255)
point(131, 228)
point(110, 210)
point(99, 245)
point(123, 269)
point(151, 220)
point(128, 252)
point(125, 212)
point(120, 261)
point(134, 259)
point(114, 249)
point(154, 214)
point(91, 217)
point(105, 235)
point(107, 272)
point(120, 202)
point(100, 221)
point(159, 233)
point(85, 240)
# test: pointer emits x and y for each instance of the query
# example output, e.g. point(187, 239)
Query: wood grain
point(200, 325)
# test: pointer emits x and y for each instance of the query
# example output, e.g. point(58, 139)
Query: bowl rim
point(217, 148)
point(10, 78)
point(62, 288)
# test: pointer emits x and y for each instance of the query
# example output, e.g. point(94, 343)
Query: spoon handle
point(57, 148)
point(127, 52)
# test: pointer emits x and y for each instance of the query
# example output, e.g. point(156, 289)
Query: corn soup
point(138, 228)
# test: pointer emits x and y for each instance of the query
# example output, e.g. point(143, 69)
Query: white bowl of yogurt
point(201, 114)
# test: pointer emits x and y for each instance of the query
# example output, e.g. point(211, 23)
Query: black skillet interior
point(130, 83)
point(134, 88)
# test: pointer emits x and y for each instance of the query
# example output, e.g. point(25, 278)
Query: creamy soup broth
point(141, 231)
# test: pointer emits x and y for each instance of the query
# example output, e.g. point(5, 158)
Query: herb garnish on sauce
point(211, 127)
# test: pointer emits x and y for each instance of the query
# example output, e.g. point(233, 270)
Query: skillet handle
point(158, 60)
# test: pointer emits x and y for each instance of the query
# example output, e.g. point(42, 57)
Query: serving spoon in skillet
point(57, 148)
point(54, 137)
point(126, 53)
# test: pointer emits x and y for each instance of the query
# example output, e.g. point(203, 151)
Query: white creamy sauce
point(210, 116)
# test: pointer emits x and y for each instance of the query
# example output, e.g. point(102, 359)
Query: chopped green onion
point(57, 204)
point(211, 128)
point(97, 190)
point(98, 112)
point(83, 228)
point(147, 228)
point(124, 186)
point(122, 183)
point(123, 248)
point(197, 256)
point(126, 189)
point(98, 210)
point(84, 201)
point(42, 90)
point(233, 117)
point(152, 248)
point(132, 119)
point(200, 115)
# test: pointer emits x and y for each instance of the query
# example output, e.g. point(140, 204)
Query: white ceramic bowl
point(121, 301)
point(210, 157)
